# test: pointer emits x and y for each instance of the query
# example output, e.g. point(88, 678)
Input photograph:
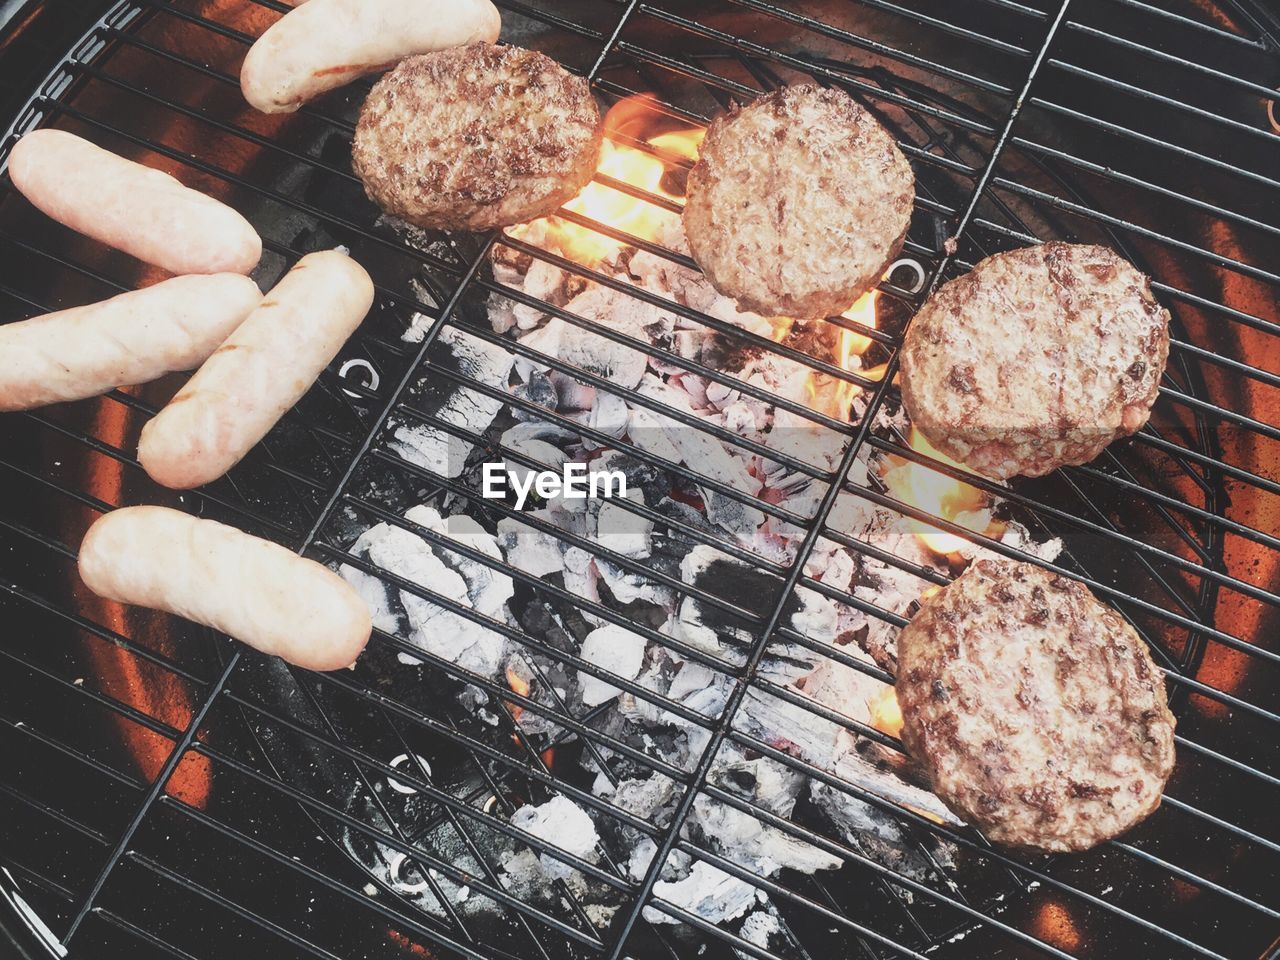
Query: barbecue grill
point(169, 793)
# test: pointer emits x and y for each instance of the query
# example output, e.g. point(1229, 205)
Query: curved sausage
point(261, 371)
point(132, 338)
point(323, 44)
point(250, 588)
point(144, 212)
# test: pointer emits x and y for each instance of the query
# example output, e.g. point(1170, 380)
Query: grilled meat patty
point(1037, 358)
point(476, 137)
point(798, 202)
point(1036, 711)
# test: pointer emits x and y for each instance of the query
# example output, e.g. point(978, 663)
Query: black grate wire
point(341, 473)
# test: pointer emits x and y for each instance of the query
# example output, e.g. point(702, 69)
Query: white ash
point(707, 892)
point(563, 824)
point(466, 582)
point(614, 649)
point(759, 927)
point(432, 448)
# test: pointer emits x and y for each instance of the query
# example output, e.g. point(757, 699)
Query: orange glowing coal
point(939, 495)
point(628, 121)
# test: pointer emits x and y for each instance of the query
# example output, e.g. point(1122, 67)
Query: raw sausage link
point(133, 338)
point(252, 589)
point(261, 371)
point(144, 212)
point(324, 44)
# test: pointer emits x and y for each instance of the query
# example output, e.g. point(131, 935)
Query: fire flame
point(885, 714)
point(940, 495)
point(630, 165)
point(519, 685)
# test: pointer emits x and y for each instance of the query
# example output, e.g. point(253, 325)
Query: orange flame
point(886, 715)
point(937, 494)
point(519, 685)
point(853, 344)
point(633, 166)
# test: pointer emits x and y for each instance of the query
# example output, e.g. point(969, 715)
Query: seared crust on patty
point(1036, 711)
point(798, 202)
point(476, 137)
point(1035, 359)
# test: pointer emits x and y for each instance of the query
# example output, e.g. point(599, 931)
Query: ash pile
point(635, 616)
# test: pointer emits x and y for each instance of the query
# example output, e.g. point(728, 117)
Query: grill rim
point(444, 318)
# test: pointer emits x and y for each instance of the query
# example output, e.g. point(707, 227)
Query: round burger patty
point(798, 203)
point(476, 137)
point(1035, 359)
point(1036, 711)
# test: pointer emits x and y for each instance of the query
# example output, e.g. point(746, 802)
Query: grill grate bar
point(1181, 106)
point(851, 855)
point(681, 68)
point(445, 902)
point(53, 743)
point(434, 934)
point(452, 606)
point(977, 847)
point(231, 906)
point(1108, 533)
point(1069, 206)
point(104, 634)
point(1120, 130)
point(722, 730)
point(1118, 596)
point(115, 706)
point(171, 763)
point(853, 40)
point(1197, 25)
point(630, 449)
point(419, 854)
point(53, 813)
point(1162, 57)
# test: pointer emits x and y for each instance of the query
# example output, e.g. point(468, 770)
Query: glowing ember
point(939, 495)
point(636, 168)
point(519, 685)
point(886, 715)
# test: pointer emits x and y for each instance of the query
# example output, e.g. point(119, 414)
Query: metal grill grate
point(1112, 120)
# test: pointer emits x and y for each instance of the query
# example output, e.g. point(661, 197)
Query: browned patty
point(798, 203)
point(1035, 359)
point(1036, 711)
point(476, 137)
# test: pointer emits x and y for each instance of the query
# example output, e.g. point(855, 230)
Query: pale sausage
point(261, 371)
point(324, 44)
point(144, 212)
point(252, 589)
point(129, 339)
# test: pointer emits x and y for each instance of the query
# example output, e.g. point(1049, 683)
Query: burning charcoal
point(614, 649)
point(563, 824)
point(431, 448)
point(615, 362)
point(538, 389)
point(575, 396)
point(460, 579)
point(707, 892)
point(644, 798)
point(760, 927)
point(878, 834)
point(528, 548)
point(609, 415)
point(727, 634)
